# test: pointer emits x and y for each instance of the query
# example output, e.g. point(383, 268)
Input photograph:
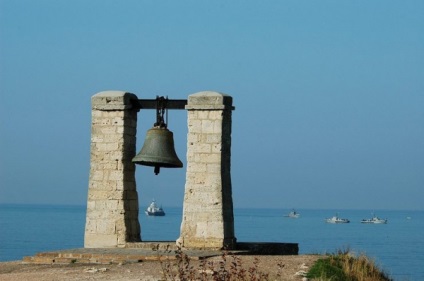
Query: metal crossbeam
point(170, 104)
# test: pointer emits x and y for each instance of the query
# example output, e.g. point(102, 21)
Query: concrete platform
point(150, 251)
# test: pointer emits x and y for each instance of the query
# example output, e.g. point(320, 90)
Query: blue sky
point(329, 95)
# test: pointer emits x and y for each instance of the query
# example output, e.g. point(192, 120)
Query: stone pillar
point(208, 219)
point(112, 206)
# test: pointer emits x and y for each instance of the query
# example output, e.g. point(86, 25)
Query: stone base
point(150, 251)
point(268, 248)
point(208, 244)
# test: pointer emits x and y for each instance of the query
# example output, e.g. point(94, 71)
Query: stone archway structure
point(112, 204)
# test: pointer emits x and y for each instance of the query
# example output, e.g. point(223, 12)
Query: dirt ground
point(288, 268)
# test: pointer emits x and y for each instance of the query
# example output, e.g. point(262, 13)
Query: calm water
point(398, 247)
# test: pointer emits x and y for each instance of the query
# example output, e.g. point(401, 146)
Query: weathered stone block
point(209, 158)
point(216, 115)
point(216, 148)
point(208, 126)
point(205, 148)
point(97, 240)
point(112, 100)
point(203, 99)
point(197, 167)
point(105, 227)
point(195, 126)
point(202, 114)
point(213, 138)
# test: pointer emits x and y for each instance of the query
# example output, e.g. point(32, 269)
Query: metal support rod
point(151, 104)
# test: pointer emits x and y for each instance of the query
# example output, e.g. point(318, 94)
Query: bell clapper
point(157, 170)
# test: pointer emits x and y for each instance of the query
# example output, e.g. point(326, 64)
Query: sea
point(397, 247)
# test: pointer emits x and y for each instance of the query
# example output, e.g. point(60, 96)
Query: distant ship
point(374, 219)
point(292, 214)
point(154, 210)
point(336, 219)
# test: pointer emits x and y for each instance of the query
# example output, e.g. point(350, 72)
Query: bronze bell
point(158, 150)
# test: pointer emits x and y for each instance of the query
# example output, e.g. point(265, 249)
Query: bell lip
point(146, 162)
point(154, 164)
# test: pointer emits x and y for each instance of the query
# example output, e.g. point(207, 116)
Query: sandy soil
point(288, 268)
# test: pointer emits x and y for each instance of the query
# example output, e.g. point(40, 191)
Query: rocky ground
point(278, 268)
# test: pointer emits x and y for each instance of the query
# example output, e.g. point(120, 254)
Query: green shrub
point(325, 269)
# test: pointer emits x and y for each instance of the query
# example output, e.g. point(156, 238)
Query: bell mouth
point(158, 150)
point(162, 165)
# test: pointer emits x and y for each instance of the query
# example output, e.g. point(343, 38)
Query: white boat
point(293, 214)
point(374, 219)
point(336, 219)
point(154, 210)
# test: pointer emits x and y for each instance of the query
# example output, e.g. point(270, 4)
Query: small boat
point(292, 214)
point(336, 219)
point(374, 219)
point(154, 210)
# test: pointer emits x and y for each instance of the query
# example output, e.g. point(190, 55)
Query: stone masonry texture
point(208, 220)
point(112, 205)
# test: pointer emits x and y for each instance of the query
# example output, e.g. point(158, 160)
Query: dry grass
point(345, 266)
point(228, 267)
